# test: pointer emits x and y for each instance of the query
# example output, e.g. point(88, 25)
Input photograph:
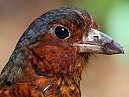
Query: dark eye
point(62, 32)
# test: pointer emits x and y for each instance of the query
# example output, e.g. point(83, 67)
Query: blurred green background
point(106, 76)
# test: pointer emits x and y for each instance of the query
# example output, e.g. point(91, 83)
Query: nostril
point(96, 37)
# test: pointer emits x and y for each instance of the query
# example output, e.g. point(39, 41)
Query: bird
point(52, 53)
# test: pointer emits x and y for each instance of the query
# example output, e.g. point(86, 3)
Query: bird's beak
point(97, 42)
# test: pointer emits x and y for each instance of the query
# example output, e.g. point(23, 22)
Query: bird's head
point(54, 42)
point(63, 35)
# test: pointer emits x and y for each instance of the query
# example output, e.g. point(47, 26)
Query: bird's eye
point(62, 32)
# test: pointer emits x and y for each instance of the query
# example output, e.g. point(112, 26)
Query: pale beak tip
point(110, 46)
point(113, 48)
point(119, 49)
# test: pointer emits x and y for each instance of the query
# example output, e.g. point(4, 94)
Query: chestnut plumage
point(51, 54)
